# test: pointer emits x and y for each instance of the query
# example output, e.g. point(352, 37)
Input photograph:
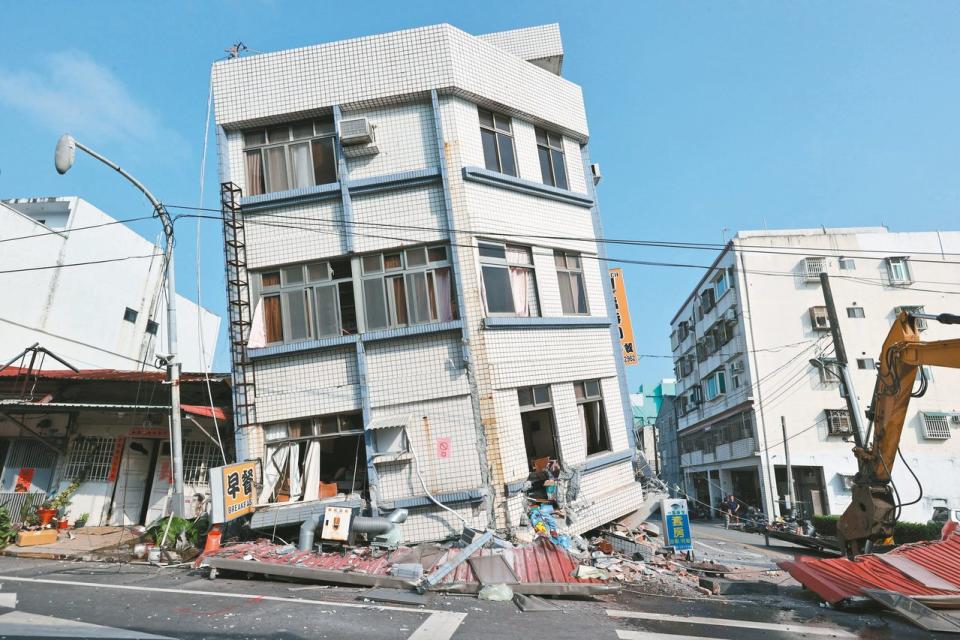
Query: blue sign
point(676, 524)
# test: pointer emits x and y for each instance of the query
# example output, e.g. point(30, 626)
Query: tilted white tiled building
point(417, 286)
point(743, 342)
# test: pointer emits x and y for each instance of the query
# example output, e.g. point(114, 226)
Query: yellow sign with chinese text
point(628, 347)
point(232, 489)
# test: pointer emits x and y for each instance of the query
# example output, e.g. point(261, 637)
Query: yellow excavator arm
point(871, 515)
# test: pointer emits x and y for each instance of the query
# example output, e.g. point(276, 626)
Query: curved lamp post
point(63, 159)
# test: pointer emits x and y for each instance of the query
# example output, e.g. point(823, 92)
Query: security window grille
point(819, 319)
point(29, 453)
point(936, 426)
point(707, 300)
point(509, 282)
point(408, 287)
point(899, 270)
point(553, 168)
point(856, 312)
point(90, 458)
point(847, 264)
point(198, 458)
point(866, 363)
point(829, 371)
point(290, 156)
point(573, 295)
point(920, 324)
point(130, 315)
point(838, 421)
point(593, 417)
point(306, 301)
point(715, 385)
point(496, 134)
point(813, 267)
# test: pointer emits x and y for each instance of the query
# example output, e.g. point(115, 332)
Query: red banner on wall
point(115, 460)
point(24, 480)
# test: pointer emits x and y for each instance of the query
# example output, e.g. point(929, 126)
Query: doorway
point(539, 430)
point(746, 487)
point(809, 488)
point(133, 481)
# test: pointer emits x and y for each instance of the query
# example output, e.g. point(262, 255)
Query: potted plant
point(45, 512)
point(60, 502)
point(81, 521)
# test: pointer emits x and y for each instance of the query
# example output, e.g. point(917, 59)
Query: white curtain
point(273, 472)
point(444, 306)
point(296, 485)
point(518, 287)
point(302, 171)
point(581, 411)
point(311, 472)
point(575, 292)
point(258, 331)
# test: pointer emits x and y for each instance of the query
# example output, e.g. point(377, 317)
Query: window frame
point(552, 151)
point(499, 134)
point(506, 264)
point(718, 378)
point(323, 132)
point(722, 277)
point(903, 262)
point(570, 272)
point(587, 397)
point(385, 276)
point(856, 312)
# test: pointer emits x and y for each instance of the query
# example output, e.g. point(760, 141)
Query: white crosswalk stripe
point(717, 622)
point(8, 600)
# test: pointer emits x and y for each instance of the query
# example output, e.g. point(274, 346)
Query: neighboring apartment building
point(752, 343)
point(647, 407)
point(420, 308)
point(105, 315)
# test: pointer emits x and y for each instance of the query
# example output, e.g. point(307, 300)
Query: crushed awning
point(927, 571)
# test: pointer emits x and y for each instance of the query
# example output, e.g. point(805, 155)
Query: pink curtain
point(444, 305)
point(254, 174)
point(518, 287)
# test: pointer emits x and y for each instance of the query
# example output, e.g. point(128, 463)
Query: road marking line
point(31, 625)
point(645, 635)
point(8, 600)
point(441, 628)
point(723, 622)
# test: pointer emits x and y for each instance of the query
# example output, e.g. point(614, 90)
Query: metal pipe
point(307, 532)
point(373, 525)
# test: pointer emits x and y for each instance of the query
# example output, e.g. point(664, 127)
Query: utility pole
point(786, 453)
point(846, 382)
point(63, 159)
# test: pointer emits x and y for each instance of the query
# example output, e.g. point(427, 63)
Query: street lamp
point(63, 159)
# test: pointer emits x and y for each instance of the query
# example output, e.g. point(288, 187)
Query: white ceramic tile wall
point(402, 217)
point(409, 370)
point(429, 523)
point(530, 43)
point(537, 356)
point(294, 234)
point(304, 385)
point(404, 137)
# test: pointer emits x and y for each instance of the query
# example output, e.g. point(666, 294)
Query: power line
point(72, 229)
point(79, 264)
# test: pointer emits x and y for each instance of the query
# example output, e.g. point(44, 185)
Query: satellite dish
point(65, 154)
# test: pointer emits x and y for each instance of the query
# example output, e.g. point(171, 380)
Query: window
point(198, 458)
point(898, 270)
point(290, 156)
point(936, 426)
point(509, 283)
point(306, 301)
point(573, 296)
point(813, 267)
point(920, 324)
point(829, 371)
point(838, 422)
point(737, 368)
point(683, 330)
point(553, 168)
point(866, 363)
point(855, 312)
point(408, 287)
point(721, 284)
point(707, 300)
point(130, 315)
point(90, 458)
point(496, 134)
point(847, 264)
point(715, 385)
point(539, 430)
point(819, 319)
point(152, 327)
point(593, 418)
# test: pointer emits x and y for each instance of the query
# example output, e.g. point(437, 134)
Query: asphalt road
point(139, 601)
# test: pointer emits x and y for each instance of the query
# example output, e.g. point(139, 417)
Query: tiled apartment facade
point(482, 318)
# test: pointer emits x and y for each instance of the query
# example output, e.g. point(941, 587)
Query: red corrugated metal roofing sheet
point(837, 579)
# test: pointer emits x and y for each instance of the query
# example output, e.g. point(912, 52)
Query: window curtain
point(254, 174)
point(258, 332)
point(296, 483)
point(518, 287)
point(273, 472)
point(311, 472)
point(444, 303)
point(576, 293)
point(300, 161)
point(581, 411)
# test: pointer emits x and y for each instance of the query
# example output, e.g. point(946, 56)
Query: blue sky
point(706, 117)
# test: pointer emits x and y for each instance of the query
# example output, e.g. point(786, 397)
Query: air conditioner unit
point(355, 131)
point(819, 319)
point(813, 267)
point(730, 315)
point(736, 366)
point(955, 418)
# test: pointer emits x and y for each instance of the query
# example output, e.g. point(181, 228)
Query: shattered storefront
point(108, 432)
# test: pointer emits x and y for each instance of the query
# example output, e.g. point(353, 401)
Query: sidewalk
point(84, 543)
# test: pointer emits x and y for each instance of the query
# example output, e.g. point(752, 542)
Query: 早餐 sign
point(232, 490)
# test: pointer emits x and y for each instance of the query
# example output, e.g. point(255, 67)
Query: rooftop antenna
point(723, 235)
point(235, 50)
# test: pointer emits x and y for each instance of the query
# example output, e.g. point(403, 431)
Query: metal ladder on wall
point(239, 313)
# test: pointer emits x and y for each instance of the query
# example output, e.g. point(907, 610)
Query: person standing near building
point(730, 508)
